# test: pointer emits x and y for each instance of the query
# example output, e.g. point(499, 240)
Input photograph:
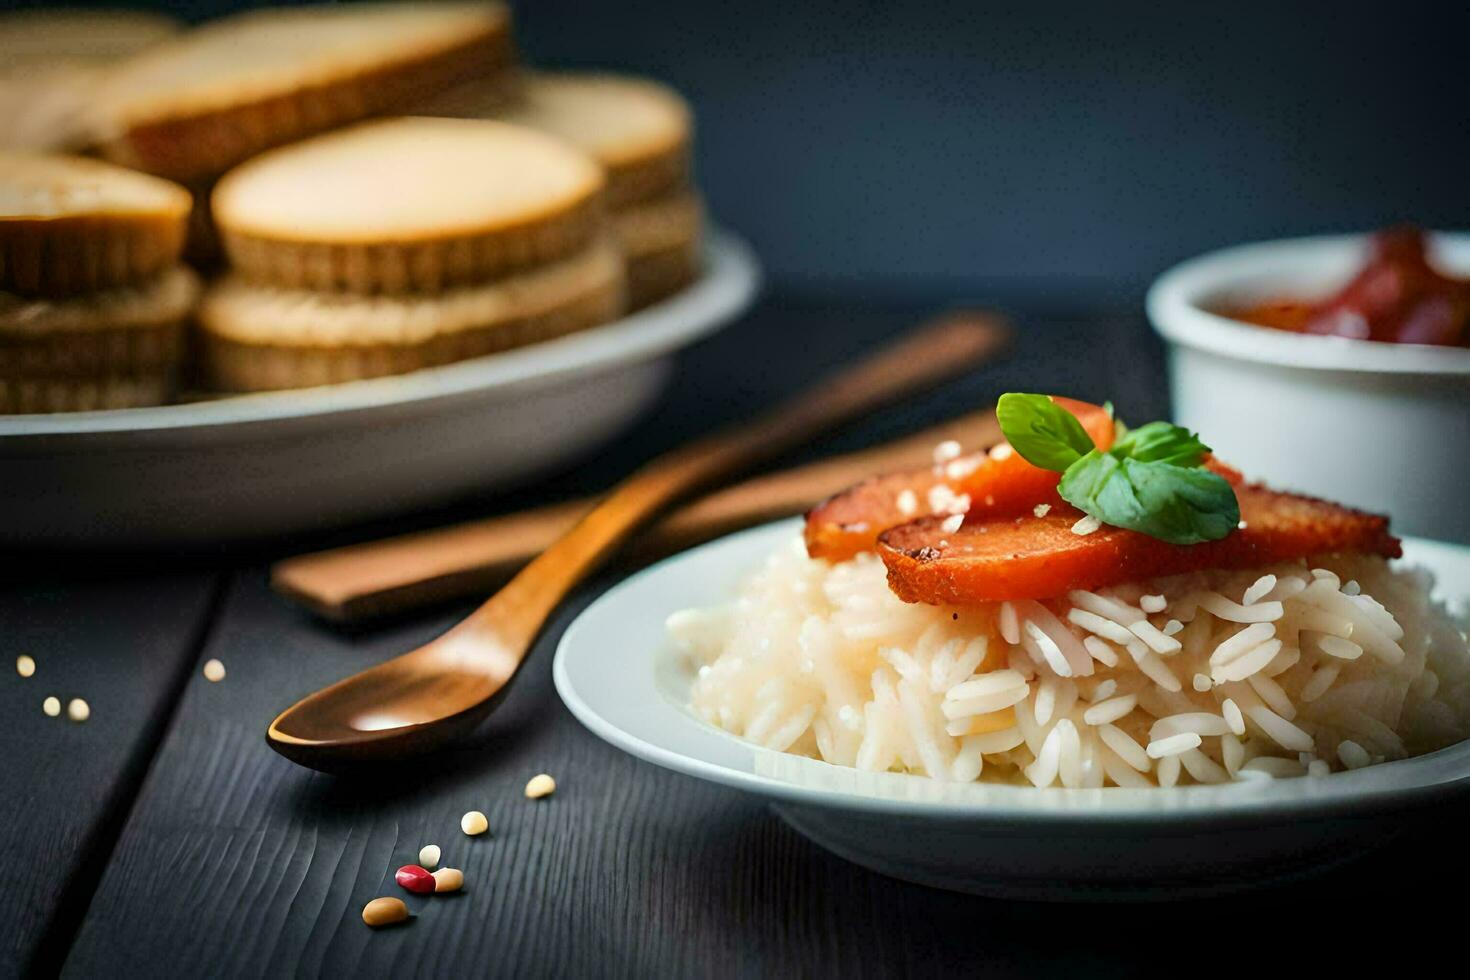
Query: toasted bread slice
point(194, 107)
point(71, 225)
point(407, 205)
point(256, 338)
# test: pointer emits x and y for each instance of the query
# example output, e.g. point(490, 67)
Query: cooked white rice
point(1204, 678)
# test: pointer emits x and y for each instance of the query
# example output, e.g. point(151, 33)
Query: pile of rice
point(1295, 669)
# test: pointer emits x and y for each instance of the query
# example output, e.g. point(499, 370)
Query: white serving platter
point(277, 462)
point(619, 674)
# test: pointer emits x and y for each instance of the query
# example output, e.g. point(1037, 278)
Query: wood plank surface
point(122, 647)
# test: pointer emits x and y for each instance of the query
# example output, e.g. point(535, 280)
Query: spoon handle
point(513, 616)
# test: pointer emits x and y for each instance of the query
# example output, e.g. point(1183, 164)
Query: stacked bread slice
point(193, 108)
point(403, 244)
point(640, 131)
point(93, 300)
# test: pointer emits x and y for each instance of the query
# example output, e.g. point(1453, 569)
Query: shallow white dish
point(1380, 426)
point(277, 462)
point(619, 674)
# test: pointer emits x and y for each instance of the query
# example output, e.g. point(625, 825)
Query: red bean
point(415, 879)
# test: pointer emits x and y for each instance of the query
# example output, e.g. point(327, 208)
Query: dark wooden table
point(163, 837)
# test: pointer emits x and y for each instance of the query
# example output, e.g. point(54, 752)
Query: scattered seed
point(415, 879)
point(429, 856)
point(474, 823)
point(214, 671)
point(384, 912)
point(539, 786)
point(448, 880)
point(25, 666)
point(52, 707)
point(78, 710)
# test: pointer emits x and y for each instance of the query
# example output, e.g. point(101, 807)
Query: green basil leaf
point(1044, 433)
point(1181, 505)
point(1161, 442)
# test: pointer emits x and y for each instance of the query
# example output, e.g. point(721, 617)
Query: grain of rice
point(1108, 608)
point(1241, 643)
point(993, 743)
point(1247, 663)
point(1010, 628)
point(1046, 701)
point(1201, 723)
point(1286, 588)
point(1103, 691)
point(1168, 771)
point(1159, 672)
point(1230, 711)
point(1324, 575)
point(1319, 768)
point(1043, 772)
point(1281, 731)
point(1149, 633)
point(1232, 753)
point(1173, 627)
point(1153, 603)
point(1352, 588)
point(1124, 745)
point(995, 682)
point(1173, 745)
point(952, 524)
point(1319, 683)
point(1283, 661)
point(1336, 646)
point(1203, 768)
point(1105, 712)
point(969, 761)
point(1222, 608)
point(1051, 653)
point(1273, 695)
point(1352, 755)
point(1069, 759)
point(1202, 683)
point(1100, 651)
point(1094, 623)
point(1258, 591)
point(1120, 772)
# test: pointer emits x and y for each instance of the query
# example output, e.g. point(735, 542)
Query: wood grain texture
point(121, 646)
point(236, 863)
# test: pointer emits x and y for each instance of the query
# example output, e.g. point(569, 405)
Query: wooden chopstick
point(401, 573)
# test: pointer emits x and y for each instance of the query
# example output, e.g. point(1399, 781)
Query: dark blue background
point(1066, 151)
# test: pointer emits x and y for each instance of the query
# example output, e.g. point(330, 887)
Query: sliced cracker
point(639, 130)
point(73, 225)
point(27, 396)
point(661, 242)
point(407, 205)
point(259, 338)
point(50, 64)
point(194, 107)
point(128, 330)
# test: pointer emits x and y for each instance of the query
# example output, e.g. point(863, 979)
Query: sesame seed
point(539, 786)
point(214, 671)
point(907, 502)
point(25, 666)
point(78, 710)
point(1086, 525)
point(952, 524)
point(1041, 510)
point(52, 707)
point(946, 451)
point(1001, 451)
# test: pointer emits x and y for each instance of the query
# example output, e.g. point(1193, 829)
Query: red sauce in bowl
point(1397, 297)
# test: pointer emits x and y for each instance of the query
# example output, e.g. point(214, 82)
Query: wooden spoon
point(425, 698)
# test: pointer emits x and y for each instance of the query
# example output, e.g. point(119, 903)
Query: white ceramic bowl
point(618, 672)
point(1381, 426)
point(283, 461)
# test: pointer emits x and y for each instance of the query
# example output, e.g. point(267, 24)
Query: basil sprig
point(1150, 481)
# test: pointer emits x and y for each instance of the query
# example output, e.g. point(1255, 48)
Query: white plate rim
point(729, 283)
point(1388, 785)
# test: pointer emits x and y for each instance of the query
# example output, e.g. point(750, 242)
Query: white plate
point(619, 674)
point(282, 461)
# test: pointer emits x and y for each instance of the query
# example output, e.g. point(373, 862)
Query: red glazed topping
point(415, 879)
